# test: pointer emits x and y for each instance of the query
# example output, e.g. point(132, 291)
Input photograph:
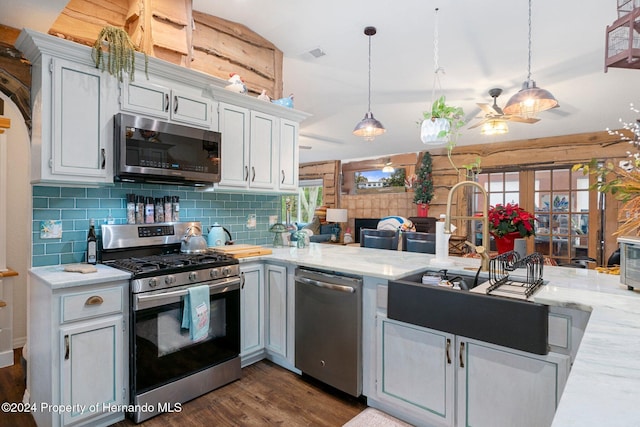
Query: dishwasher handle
point(326, 285)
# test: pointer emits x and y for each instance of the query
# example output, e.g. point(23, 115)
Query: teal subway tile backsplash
point(75, 206)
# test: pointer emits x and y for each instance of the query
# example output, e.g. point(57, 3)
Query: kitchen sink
point(518, 324)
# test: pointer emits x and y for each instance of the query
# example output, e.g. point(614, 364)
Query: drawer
point(84, 305)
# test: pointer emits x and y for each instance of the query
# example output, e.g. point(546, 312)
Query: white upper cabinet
point(73, 105)
point(259, 143)
point(249, 144)
point(144, 97)
point(288, 156)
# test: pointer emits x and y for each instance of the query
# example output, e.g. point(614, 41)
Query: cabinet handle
point(448, 355)
point(282, 182)
point(66, 347)
point(166, 102)
point(242, 280)
point(246, 173)
point(104, 157)
point(94, 300)
point(462, 354)
point(175, 104)
point(253, 173)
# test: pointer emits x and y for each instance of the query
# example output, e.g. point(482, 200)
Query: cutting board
point(242, 250)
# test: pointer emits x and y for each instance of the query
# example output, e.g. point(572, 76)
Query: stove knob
point(193, 276)
point(170, 280)
point(225, 271)
point(153, 282)
point(214, 273)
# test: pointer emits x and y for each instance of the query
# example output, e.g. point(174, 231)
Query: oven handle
point(142, 301)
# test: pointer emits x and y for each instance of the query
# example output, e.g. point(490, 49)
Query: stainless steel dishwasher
point(329, 328)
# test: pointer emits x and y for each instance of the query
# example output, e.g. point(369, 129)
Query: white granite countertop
point(57, 278)
point(604, 383)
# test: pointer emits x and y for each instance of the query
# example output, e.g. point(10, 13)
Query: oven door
point(163, 352)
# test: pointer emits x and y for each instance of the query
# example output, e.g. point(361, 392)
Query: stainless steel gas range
point(167, 366)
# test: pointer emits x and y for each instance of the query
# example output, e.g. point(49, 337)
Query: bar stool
point(415, 241)
point(379, 239)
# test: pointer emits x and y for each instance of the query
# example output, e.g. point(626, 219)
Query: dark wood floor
point(267, 395)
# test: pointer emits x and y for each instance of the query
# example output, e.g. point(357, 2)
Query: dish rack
point(500, 267)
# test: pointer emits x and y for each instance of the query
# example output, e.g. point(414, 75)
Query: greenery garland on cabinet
point(423, 192)
point(120, 50)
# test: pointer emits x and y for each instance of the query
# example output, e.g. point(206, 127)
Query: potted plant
point(509, 222)
point(120, 50)
point(423, 191)
point(442, 123)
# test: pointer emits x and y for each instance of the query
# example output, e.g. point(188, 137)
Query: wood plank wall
point(163, 29)
point(329, 172)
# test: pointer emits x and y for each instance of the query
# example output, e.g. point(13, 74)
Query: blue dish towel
point(195, 316)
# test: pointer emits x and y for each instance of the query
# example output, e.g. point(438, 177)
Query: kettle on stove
point(218, 236)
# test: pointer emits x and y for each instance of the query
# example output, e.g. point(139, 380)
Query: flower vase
point(506, 242)
point(423, 209)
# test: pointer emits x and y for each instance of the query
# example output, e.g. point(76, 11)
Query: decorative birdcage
point(622, 49)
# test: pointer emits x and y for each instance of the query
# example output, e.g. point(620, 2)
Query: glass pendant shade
point(388, 169)
point(368, 128)
point(435, 131)
point(494, 127)
point(529, 101)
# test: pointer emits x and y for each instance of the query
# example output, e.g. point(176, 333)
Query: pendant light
point(368, 128)
point(531, 99)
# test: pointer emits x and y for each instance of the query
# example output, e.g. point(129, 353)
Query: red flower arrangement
point(509, 219)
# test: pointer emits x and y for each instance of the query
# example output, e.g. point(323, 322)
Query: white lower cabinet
point(91, 368)
point(77, 367)
point(276, 301)
point(251, 313)
point(434, 378)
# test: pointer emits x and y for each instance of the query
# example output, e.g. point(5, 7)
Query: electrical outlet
point(251, 221)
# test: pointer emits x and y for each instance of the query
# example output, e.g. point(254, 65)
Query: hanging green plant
point(120, 52)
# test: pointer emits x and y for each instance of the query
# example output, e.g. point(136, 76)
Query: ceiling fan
point(493, 113)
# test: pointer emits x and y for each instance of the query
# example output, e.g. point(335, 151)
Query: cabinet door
point(262, 150)
point(288, 156)
point(91, 368)
point(145, 98)
point(234, 126)
point(251, 310)
point(188, 108)
point(415, 370)
point(498, 386)
point(81, 137)
point(276, 304)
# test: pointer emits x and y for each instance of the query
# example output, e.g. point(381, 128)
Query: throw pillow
point(395, 223)
point(314, 225)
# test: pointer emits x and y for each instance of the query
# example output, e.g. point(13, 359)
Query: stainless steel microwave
point(630, 261)
point(155, 151)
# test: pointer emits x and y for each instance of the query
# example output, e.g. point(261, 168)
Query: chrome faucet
point(485, 220)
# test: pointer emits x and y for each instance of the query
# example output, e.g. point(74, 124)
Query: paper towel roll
point(520, 246)
point(442, 241)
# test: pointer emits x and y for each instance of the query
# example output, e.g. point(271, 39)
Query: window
point(501, 188)
point(303, 205)
point(561, 200)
